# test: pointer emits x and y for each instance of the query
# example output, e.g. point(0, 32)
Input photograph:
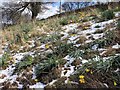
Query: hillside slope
point(81, 50)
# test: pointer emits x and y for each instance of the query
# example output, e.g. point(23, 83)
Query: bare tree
point(14, 10)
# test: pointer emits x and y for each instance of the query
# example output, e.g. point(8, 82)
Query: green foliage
point(105, 68)
point(46, 66)
point(64, 48)
point(26, 61)
point(107, 15)
point(76, 54)
point(63, 21)
point(4, 59)
point(118, 24)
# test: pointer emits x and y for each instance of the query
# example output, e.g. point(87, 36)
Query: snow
point(117, 46)
point(97, 36)
point(102, 24)
point(34, 76)
point(52, 10)
point(69, 72)
point(51, 83)
point(70, 27)
point(117, 14)
point(77, 45)
point(95, 47)
point(84, 61)
point(73, 38)
point(69, 60)
point(38, 85)
point(88, 41)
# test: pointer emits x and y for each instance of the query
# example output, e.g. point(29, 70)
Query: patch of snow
point(34, 76)
point(101, 49)
point(94, 47)
point(73, 38)
point(69, 60)
point(20, 86)
point(102, 24)
point(106, 85)
point(117, 14)
point(65, 36)
point(117, 46)
point(51, 83)
point(88, 41)
point(69, 72)
point(77, 45)
point(52, 10)
point(42, 46)
point(38, 85)
point(73, 41)
point(66, 81)
point(97, 36)
point(84, 61)
point(70, 27)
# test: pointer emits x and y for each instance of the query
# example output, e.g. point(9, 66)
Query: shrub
point(107, 15)
point(63, 21)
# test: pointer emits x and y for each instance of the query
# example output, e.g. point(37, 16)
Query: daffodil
point(91, 72)
point(81, 76)
point(82, 80)
point(36, 80)
point(114, 83)
point(87, 70)
point(48, 46)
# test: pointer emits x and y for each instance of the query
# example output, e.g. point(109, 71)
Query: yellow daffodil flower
point(48, 46)
point(36, 80)
point(87, 70)
point(81, 77)
point(91, 72)
point(82, 80)
point(114, 83)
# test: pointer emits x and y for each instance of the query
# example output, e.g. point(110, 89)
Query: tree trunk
point(35, 8)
